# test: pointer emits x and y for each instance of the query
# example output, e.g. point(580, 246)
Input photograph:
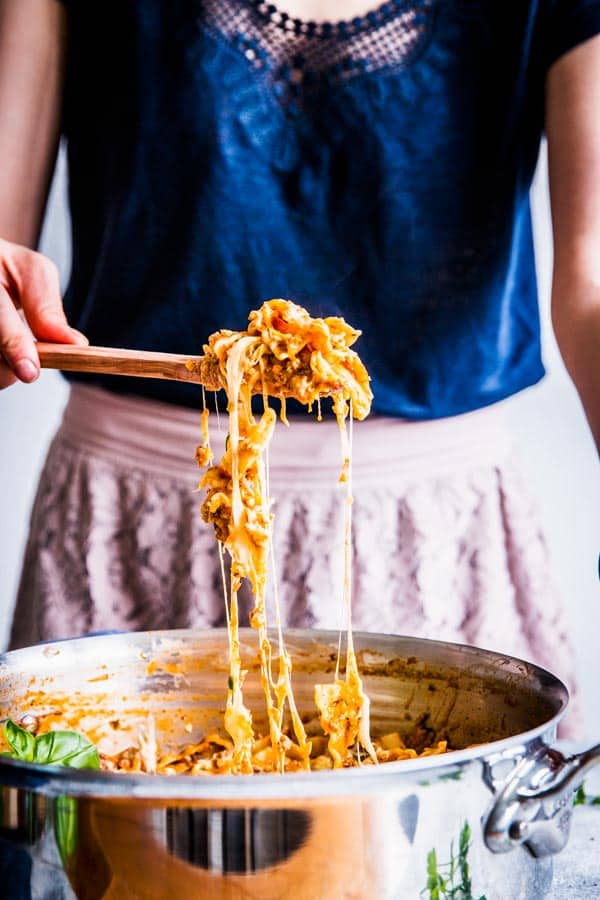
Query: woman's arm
point(32, 57)
point(32, 53)
point(573, 130)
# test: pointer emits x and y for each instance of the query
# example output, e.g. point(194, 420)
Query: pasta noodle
point(213, 756)
point(284, 353)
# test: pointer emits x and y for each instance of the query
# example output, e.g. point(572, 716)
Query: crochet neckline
point(297, 58)
point(341, 29)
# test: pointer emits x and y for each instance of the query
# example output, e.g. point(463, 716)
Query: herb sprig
point(581, 798)
point(451, 880)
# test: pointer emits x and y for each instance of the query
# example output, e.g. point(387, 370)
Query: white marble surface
point(577, 868)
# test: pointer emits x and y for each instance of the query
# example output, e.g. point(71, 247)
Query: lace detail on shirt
point(297, 55)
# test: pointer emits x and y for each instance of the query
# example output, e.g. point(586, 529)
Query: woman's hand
point(30, 307)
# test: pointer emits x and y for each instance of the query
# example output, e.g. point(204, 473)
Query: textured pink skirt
point(446, 540)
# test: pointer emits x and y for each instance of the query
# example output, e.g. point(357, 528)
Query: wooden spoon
point(110, 361)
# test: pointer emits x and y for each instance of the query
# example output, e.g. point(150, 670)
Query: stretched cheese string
point(343, 704)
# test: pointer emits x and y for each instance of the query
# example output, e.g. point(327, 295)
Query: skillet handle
point(535, 804)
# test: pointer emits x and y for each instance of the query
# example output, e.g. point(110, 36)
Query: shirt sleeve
point(571, 22)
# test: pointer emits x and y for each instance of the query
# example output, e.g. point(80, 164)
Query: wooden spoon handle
point(109, 361)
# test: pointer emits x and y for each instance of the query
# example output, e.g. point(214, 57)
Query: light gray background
point(547, 421)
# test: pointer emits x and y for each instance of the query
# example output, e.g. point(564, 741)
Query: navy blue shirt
point(221, 154)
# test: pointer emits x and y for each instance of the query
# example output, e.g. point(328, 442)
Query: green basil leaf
point(61, 748)
point(20, 741)
point(66, 748)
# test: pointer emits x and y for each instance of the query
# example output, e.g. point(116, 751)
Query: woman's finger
point(16, 343)
point(35, 282)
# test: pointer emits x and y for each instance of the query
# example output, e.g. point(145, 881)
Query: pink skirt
point(446, 540)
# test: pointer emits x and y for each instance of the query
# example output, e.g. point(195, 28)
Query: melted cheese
point(284, 353)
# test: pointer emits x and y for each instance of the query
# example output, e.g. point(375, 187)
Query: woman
point(225, 152)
